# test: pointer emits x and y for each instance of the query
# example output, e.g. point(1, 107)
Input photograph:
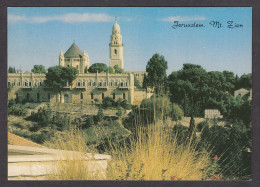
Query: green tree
point(156, 108)
point(190, 89)
point(97, 67)
point(177, 112)
point(118, 69)
point(136, 82)
point(11, 69)
point(100, 115)
point(156, 69)
point(145, 81)
point(57, 77)
point(245, 81)
point(110, 70)
point(88, 122)
point(38, 69)
point(108, 102)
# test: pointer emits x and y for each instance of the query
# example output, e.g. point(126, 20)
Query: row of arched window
point(103, 95)
point(25, 83)
point(103, 83)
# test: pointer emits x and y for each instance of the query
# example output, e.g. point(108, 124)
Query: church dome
point(116, 28)
point(73, 52)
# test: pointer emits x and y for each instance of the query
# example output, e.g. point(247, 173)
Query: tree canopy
point(156, 69)
point(245, 81)
point(118, 69)
point(57, 77)
point(38, 69)
point(11, 69)
point(98, 67)
point(195, 89)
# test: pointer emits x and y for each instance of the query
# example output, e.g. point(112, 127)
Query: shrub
point(43, 117)
point(87, 122)
point(201, 125)
point(119, 112)
point(108, 102)
point(177, 112)
point(17, 110)
point(231, 144)
point(100, 115)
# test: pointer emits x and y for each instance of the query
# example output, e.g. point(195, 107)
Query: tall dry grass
point(72, 164)
point(155, 155)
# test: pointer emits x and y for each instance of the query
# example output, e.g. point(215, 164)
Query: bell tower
point(116, 47)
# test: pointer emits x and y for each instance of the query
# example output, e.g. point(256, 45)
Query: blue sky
point(37, 35)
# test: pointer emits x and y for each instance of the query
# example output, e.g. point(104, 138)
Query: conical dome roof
point(73, 52)
point(116, 28)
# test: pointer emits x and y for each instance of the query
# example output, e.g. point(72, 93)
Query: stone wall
point(31, 163)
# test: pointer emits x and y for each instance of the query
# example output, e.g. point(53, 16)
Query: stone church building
point(87, 88)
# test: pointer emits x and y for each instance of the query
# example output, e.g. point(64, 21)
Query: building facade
point(87, 88)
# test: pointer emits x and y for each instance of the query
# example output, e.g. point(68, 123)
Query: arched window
point(92, 96)
point(30, 83)
point(25, 83)
point(122, 83)
point(114, 96)
point(19, 83)
point(89, 83)
point(79, 83)
point(94, 83)
point(115, 51)
point(123, 95)
point(125, 83)
point(100, 83)
point(105, 83)
point(81, 95)
point(103, 95)
point(40, 83)
point(111, 83)
point(83, 83)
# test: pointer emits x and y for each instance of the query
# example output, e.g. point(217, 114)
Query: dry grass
point(72, 165)
point(155, 155)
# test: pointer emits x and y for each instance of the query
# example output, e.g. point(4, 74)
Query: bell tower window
point(115, 51)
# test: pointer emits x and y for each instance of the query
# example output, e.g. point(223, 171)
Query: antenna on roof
point(116, 19)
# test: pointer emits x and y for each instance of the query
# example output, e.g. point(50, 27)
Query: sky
point(36, 35)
